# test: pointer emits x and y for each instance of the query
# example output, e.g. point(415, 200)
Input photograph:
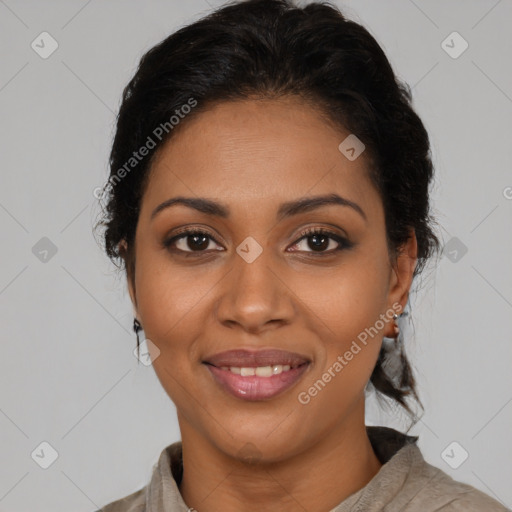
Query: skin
point(253, 155)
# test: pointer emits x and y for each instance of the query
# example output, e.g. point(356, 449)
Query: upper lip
point(244, 358)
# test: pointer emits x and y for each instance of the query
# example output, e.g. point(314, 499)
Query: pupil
point(195, 245)
point(321, 245)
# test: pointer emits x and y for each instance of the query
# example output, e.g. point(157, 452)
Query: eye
point(322, 239)
point(199, 241)
point(190, 241)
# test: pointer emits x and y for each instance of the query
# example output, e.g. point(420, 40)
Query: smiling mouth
point(253, 383)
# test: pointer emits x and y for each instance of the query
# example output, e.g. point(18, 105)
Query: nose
point(254, 295)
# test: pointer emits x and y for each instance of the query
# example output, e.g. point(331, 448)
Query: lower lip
point(253, 387)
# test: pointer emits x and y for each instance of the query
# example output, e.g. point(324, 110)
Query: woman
point(269, 201)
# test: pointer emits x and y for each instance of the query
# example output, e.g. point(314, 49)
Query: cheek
point(347, 300)
point(171, 301)
point(343, 369)
point(169, 298)
point(345, 311)
point(170, 307)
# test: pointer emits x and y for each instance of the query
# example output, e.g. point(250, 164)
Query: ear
point(131, 290)
point(130, 274)
point(402, 273)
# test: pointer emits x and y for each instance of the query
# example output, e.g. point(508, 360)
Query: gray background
point(69, 376)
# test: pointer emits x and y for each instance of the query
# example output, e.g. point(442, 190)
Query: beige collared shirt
point(405, 483)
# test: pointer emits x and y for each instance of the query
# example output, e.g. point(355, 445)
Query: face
point(264, 275)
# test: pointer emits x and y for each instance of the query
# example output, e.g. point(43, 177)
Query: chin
point(258, 448)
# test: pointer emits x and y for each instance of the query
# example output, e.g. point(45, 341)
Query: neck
point(319, 478)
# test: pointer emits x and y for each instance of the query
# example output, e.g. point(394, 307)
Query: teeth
point(260, 371)
point(264, 371)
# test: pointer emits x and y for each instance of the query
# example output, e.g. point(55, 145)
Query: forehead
point(258, 152)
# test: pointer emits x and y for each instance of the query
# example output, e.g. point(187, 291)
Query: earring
point(396, 328)
point(137, 327)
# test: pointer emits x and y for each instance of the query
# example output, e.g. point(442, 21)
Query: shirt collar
point(397, 452)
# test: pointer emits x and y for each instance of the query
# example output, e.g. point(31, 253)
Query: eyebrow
point(288, 209)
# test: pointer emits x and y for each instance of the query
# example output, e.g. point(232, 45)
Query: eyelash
point(307, 233)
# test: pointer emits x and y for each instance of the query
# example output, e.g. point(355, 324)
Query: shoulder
point(443, 493)
point(161, 483)
point(461, 497)
point(135, 502)
point(474, 501)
